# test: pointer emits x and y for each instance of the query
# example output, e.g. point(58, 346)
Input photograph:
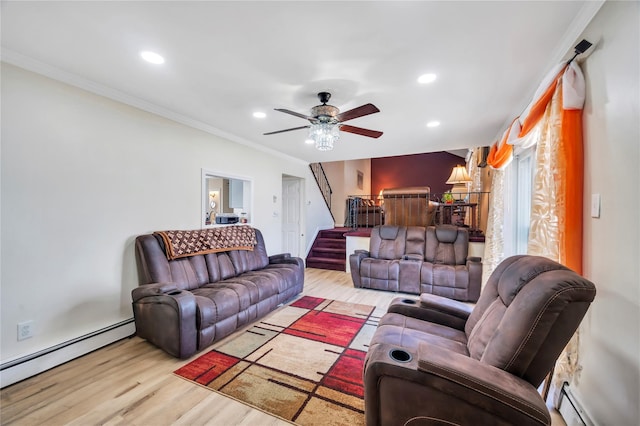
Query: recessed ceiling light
point(309, 141)
point(259, 114)
point(433, 124)
point(426, 78)
point(152, 57)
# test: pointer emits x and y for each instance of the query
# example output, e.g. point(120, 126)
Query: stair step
point(326, 263)
point(333, 253)
point(329, 250)
point(330, 243)
point(332, 234)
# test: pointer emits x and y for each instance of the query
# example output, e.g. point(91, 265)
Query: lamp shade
point(458, 175)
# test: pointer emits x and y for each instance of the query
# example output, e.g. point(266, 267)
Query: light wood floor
point(130, 382)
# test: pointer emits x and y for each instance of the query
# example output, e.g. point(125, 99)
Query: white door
point(291, 223)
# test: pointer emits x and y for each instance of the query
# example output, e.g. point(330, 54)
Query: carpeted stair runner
point(328, 250)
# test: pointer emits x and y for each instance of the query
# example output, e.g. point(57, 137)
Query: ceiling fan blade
point(357, 112)
point(297, 114)
point(360, 131)
point(287, 130)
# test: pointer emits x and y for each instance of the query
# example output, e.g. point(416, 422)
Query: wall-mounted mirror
point(226, 199)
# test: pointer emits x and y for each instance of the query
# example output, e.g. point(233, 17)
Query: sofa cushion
point(415, 243)
point(219, 267)
point(380, 274)
point(432, 328)
point(447, 244)
point(410, 338)
point(388, 242)
point(250, 260)
point(214, 305)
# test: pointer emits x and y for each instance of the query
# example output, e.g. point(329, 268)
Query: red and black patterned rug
point(302, 363)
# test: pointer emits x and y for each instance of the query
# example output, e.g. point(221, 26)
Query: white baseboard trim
point(22, 368)
point(571, 408)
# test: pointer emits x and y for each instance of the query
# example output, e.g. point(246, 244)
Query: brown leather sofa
point(409, 206)
point(438, 361)
point(415, 259)
point(184, 305)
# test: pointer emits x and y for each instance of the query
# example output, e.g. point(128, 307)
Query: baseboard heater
point(22, 368)
point(570, 408)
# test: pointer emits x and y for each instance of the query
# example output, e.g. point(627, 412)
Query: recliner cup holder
point(400, 355)
point(409, 301)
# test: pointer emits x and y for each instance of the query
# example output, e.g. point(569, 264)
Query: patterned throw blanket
point(212, 240)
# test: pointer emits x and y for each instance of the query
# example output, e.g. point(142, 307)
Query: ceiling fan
point(327, 120)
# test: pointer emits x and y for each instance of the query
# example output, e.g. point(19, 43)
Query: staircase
point(329, 250)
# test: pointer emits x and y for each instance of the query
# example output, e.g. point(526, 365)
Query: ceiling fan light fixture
point(324, 135)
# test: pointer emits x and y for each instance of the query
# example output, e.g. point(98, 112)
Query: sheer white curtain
point(552, 124)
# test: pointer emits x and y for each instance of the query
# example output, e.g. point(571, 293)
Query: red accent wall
point(432, 169)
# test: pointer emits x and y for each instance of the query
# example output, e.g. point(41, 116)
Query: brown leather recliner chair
point(437, 361)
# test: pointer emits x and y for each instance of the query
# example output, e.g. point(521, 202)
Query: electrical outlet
point(25, 330)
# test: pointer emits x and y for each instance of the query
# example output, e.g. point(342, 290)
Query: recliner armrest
point(445, 305)
point(154, 289)
point(284, 258)
point(479, 378)
point(166, 316)
point(461, 390)
point(435, 309)
point(474, 266)
point(354, 264)
point(276, 258)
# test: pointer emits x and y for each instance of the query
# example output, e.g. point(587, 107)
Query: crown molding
point(14, 58)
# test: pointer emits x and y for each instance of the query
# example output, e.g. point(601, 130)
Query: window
point(226, 196)
point(518, 192)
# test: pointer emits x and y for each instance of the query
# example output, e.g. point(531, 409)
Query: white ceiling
point(225, 60)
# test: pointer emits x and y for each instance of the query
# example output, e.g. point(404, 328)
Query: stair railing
point(323, 183)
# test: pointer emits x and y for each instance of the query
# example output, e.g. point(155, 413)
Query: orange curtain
point(570, 185)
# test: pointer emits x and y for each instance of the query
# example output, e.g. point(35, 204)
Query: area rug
point(302, 363)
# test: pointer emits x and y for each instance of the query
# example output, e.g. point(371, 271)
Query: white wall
point(83, 175)
point(609, 384)
point(342, 176)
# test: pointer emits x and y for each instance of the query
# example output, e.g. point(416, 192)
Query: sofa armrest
point(166, 319)
point(461, 390)
point(435, 309)
point(154, 289)
point(276, 258)
point(286, 258)
point(474, 265)
point(354, 263)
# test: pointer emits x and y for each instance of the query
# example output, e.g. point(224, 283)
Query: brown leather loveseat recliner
point(185, 304)
point(438, 361)
point(415, 259)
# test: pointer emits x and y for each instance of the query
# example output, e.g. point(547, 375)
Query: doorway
point(292, 215)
